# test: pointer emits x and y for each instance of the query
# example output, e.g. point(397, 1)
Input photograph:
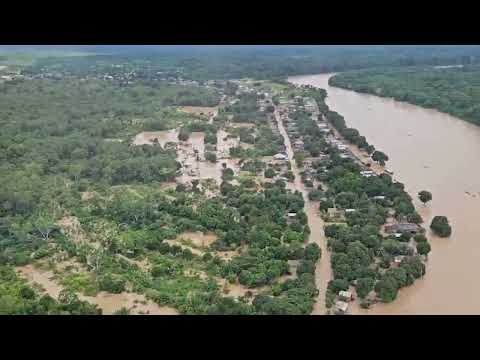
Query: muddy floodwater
point(109, 303)
point(163, 137)
point(433, 151)
point(323, 273)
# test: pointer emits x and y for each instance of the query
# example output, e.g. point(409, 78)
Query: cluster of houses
point(244, 89)
point(345, 152)
point(323, 127)
point(9, 75)
point(308, 172)
point(311, 106)
point(263, 102)
point(118, 73)
point(280, 164)
point(285, 106)
point(186, 82)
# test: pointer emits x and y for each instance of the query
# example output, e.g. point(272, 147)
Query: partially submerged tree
point(424, 196)
point(441, 226)
point(380, 157)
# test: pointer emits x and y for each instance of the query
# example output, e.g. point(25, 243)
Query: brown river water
point(433, 151)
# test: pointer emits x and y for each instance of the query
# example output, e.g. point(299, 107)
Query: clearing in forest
point(200, 110)
point(163, 137)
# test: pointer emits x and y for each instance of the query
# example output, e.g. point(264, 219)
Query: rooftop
point(345, 294)
point(402, 227)
point(341, 306)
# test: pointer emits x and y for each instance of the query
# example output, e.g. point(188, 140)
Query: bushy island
point(455, 90)
point(440, 226)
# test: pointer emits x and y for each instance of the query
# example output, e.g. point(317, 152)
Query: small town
point(151, 187)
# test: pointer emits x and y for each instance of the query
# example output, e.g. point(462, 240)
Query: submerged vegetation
point(441, 226)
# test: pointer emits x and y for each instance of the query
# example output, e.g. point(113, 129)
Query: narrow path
point(323, 272)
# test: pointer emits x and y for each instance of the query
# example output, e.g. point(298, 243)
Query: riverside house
point(402, 228)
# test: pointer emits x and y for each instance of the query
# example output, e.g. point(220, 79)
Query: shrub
point(111, 283)
point(306, 267)
point(210, 156)
point(337, 285)
point(364, 286)
point(420, 238)
point(312, 252)
point(423, 248)
point(441, 226)
point(270, 173)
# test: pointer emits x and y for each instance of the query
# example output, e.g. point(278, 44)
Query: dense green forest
point(455, 90)
point(259, 62)
point(54, 143)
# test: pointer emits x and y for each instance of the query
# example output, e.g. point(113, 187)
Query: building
point(379, 197)
point(345, 295)
point(348, 211)
point(298, 144)
point(402, 228)
point(341, 307)
point(334, 212)
point(397, 260)
point(291, 218)
point(367, 173)
point(280, 157)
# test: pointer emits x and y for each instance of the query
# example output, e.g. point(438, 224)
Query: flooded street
point(432, 151)
point(323, 272)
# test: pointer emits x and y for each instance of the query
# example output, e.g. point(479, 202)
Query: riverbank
point(427, 150)
point(451, 90)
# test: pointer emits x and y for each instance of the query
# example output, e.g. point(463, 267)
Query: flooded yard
point(201, 110)
point(42, 278)
point(47, 281)
point(198, 238)
point(163, 137)
point(136, 303)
